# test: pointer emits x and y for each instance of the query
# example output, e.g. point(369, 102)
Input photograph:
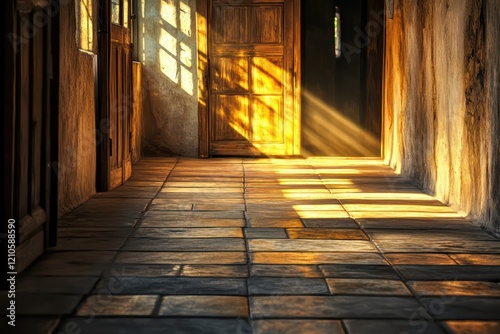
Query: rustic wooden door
point(120, 94)
point(29, 128)
point(252, 98)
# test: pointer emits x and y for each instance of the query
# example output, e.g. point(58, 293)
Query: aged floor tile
point(479, 259)
point(304, 245)
point(422, 273)
point(286, 286)
point(204, 306)
point(326, 233)
point(387, 326)
point(182, 257)
point(214, 270)
point(265, 233)
point(212, 232)
point(355, 286)
point(456, 288)
point(297, 327)
point(323, 307)
point(419, 259)
point(113, 305)
point(63, 284)
point(193, 245)
point(473, 327)
point(316, 258)
point(470, 308)
point(306, 271)
point(358, 271)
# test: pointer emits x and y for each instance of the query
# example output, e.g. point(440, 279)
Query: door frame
point(203, 30)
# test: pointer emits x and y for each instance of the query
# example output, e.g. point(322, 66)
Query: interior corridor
point(237, 245)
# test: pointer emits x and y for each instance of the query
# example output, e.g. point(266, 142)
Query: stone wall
point(441, 101)
point(167, 51)
point(77, 153)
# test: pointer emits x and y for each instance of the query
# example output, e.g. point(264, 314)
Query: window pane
point(115, 11)
point(126, 16)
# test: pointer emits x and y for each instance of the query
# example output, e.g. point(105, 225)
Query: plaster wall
point(77, 153)
point(441, 101)
point(167, 51)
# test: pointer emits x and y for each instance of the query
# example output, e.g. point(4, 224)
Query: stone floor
point(263, 246)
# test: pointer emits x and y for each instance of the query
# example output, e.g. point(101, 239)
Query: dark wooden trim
point(203, 77)
point(102, 100)
point(297, 52)
point(53, 127)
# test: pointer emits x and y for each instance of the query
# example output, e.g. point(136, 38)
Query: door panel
point(120, 93)
point(251, 95)
point(29, 131)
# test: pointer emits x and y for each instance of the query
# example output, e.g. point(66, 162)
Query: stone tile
point(419, 259)
point(195, 222)
point(358, 271)
point(41, 304)
point(187, 215)
point(215, 271)
point(439, 273)
point(331, 223)
point(217, 206)
point(113, 305)
point(477, 259)
point(304, 245)
point(75, 244)
point(62, 285)
point(354, 286)
point(173, 286)
point(437, 246)
point(31, 325)
point(472, 327)
point(143, 270)
point(115, 221)
point(182, 257)
point(290, 326)
point(315, 258)
point(285, 271)
point(192, 245)
point(187, 183)
point(93, 232)
point(286, 286)
point(265, 233)
point(194, 196)
point(431, 235)
point(72, 263)
point(204, 306)
point(331, 307)
point(212, 232)
point(418, 223)
point(456, 288)
point(326, 233)
point(387, 326)
point(131, 325)
point(274, 222)
point(456, 308)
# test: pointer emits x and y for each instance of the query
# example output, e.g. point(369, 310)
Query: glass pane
point(115, 11)
point(126, 16)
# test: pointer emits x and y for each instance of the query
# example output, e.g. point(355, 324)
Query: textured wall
point(77, 154)
point(442, 101)
point(167, 50)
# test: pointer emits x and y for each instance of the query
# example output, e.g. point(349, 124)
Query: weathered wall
point(167, 50)
point(441, 101)
point(137, 111)
point(77, 154)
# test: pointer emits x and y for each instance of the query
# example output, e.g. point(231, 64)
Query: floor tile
point(306, 271)
point(470, 308)
point(315, 258)
point(477, 259)
point(113, 305)
point(422, 273)
point(304, 245)
point(173, 285)
point(456, 288)
point(331, 307)
point(358, 271)
point(193, 245)
point(419, 259)
point(286, 286)
point(62, 285)
point(387, 326)
point(355, 286)
point(326, 233)
point(204, 306)
point(214, 271)
point(290, 326)
point(265, 233)
point(472, 327)
point(182, 257)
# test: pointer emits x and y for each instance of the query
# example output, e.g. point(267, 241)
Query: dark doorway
point(340, 115)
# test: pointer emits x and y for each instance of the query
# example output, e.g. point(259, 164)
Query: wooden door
point(29, 129)
point(252, 98)
point(120, 94)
